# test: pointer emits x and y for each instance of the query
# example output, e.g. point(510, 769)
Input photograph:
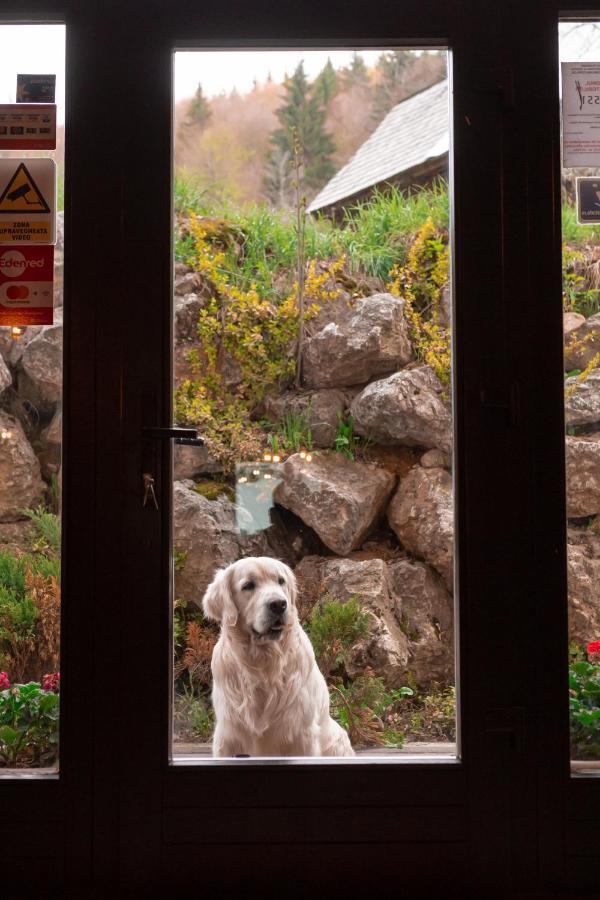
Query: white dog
point(270, 698)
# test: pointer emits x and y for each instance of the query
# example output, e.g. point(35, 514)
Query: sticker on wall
point(26, 285)
point(36, 88)
point(27, 126)
point(588, 201)
point(27, 201)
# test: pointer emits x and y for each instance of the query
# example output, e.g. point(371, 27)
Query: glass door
point(313, 521)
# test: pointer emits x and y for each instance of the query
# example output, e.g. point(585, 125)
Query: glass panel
point(580, 54)
point(312, 314)
point(30, 399)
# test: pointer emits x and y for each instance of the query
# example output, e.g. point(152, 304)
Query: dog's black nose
point(277, 606)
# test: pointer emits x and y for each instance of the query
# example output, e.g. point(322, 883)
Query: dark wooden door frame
point(496, 821)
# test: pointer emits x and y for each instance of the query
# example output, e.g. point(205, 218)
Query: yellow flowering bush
point(420, 282)
point(253, 336)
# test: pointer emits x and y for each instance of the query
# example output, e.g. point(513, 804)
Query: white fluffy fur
point(270, 698)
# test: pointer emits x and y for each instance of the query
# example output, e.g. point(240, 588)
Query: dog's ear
point(292, 585)
point(217, 602)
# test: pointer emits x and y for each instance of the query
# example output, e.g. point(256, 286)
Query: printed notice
point(26, 285)
point(581, 114)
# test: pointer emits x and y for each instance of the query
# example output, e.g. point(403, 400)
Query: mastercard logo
point(17, 292)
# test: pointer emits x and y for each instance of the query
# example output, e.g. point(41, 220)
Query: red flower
point(593, 650)
point(51, 682)
point(4, 682)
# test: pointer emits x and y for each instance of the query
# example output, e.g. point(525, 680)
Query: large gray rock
point(187, 283)
point(406, 408)
point(5, 376)
point(50, 451)
point(582, 401)
point(373, 341)
point(583, 476)
point(40, 378)
point(386, 649)
point(583, 570)
point(20, 482)
point(425, 611)
point(206, 534)
point(187, 309)
point(189, 462)
point(422, 516)
point(582, 344)
point(571, 322)
point(321, 409)
point(53, 433)
point(340, 499)
point(11, 349)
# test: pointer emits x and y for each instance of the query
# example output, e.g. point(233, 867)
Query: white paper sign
point(581, 114)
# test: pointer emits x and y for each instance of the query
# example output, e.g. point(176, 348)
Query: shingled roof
point(413, 133)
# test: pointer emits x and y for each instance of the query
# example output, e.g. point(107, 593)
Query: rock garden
point(314, 359)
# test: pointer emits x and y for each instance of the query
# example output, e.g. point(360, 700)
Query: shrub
point(29, 615)
point(420, 282)
point(359, 707)
point(584, 703)
point(334, 628)
point(29, 722)
point(47, 531)
point(194, 716)
point(579, 295)
point(426, 716)
point(248, 332)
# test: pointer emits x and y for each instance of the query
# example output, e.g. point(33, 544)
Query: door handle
point(187, 436)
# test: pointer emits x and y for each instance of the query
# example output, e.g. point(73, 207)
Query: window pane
point(580, 47)
point(30, 400)
point(312, 313)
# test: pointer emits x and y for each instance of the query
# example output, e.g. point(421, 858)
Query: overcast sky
point(41, 49)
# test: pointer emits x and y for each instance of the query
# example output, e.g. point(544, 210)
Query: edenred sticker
point(26, 285)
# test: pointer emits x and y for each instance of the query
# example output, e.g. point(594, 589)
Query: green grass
point(574, 233)
point(374, 235)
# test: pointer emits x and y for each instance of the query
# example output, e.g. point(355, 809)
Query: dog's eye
point(281, 580)
point(249, 586)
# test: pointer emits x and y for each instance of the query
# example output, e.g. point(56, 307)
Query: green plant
point(346, 440)
point(29, 614)
point(47, 531)
point(28, 724)
point(578, 295)
point(373, 237)
point(584, 708)
point(334, 628)
point(179, 559)
point(360, 706)
point(427, 716)
point(194, 716)
point(293, 433)
point(421, 282)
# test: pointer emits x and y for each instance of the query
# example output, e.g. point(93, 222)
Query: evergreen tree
point(301, 117)
point(200, 111)
point(356, 72)
point(392, 69)
point(325, 86)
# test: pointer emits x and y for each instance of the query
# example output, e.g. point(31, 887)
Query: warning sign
point(27, 201)
point(26, 285)
point(22, 195)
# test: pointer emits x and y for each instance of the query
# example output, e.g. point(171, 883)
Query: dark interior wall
point(506, 819)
